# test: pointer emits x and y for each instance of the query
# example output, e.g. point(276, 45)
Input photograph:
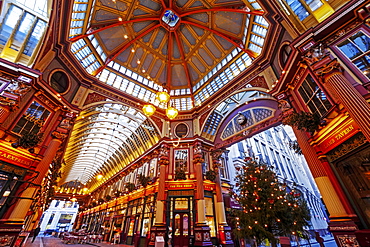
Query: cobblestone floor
point(56, 242)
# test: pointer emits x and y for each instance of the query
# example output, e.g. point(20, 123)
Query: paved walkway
point(57, 242)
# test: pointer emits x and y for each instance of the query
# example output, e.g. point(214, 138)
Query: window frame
point(302, 101)
point(22, 114)
point(347, 62)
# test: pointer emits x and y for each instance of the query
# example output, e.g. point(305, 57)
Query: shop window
point(7, 185)
point(313, 97)
point(32, 120)
point(210, 216)
point(357, 49)
point(59, 82)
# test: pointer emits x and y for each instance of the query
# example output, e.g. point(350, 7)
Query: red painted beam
point(116, 54)
point(255, 12)
point(169, 55)
point(225, 36)
point(163, 4)
point(180, 46)
point(74, 39)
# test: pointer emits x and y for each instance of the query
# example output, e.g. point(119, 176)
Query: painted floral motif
point(198, 236)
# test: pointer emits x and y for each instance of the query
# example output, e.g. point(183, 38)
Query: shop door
point(180, 234)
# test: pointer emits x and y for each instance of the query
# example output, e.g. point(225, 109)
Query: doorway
point(180, 221)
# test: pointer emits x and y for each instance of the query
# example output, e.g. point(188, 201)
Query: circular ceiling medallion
point(181, 130)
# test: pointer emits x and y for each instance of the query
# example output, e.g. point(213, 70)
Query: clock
point(241, 119)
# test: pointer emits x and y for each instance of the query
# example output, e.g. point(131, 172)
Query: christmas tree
point(269, 208)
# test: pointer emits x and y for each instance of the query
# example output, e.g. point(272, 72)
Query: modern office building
point(125, 104)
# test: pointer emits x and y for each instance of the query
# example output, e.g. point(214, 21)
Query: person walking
point(36, 232)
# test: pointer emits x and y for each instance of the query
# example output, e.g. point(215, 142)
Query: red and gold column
point(343, 91)
point(159, 227)
point(224, 230)
point(340, 211)
point(21, 207)
point(201, 230)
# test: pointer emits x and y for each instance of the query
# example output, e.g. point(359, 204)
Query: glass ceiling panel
point(105, 139)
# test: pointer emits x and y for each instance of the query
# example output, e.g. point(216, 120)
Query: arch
point(106, 137)
point(211, 125)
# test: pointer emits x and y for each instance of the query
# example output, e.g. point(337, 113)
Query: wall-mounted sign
point(180, 185)
point(338, 136)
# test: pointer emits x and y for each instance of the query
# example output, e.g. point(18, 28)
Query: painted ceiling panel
point(111, 38)
point(114, 4)
point(104, 15)
point(202, 17)
point(206, 57)
point(179, 75)
point(124, 56)
point(151, 4)
point(198, 64)
point(213, 48)
point(230, 22)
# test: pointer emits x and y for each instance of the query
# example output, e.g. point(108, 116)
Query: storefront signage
point(210, 187)
point(14, 158)
point(338, 136)
point(177, 186)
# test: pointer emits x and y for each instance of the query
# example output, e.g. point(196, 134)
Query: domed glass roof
point(191, 48)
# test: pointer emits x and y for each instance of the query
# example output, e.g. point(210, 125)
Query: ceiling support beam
point(242, 11)
point(169, 56)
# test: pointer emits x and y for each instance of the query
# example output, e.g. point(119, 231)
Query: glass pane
point(364, 65)
point(349, 49)
point(177, 225)
point(181, 159)
point(35, 37)
point(362, 41)
point(181, 204)
point(314, 4)
point(185, 225)
point(9, 23)
point(22, 32)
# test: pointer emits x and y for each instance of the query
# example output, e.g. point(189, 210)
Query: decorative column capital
point(163, 157)
point(198, 155)
point(328, 68)
point(216, 154)
point(57, 135)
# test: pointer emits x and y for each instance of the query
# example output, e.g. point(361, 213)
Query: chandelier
point(163, 98)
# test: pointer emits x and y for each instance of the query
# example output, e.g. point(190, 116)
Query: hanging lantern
point(171, 112)
point(148, 110)
point(163, 97)
point(99, 177)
